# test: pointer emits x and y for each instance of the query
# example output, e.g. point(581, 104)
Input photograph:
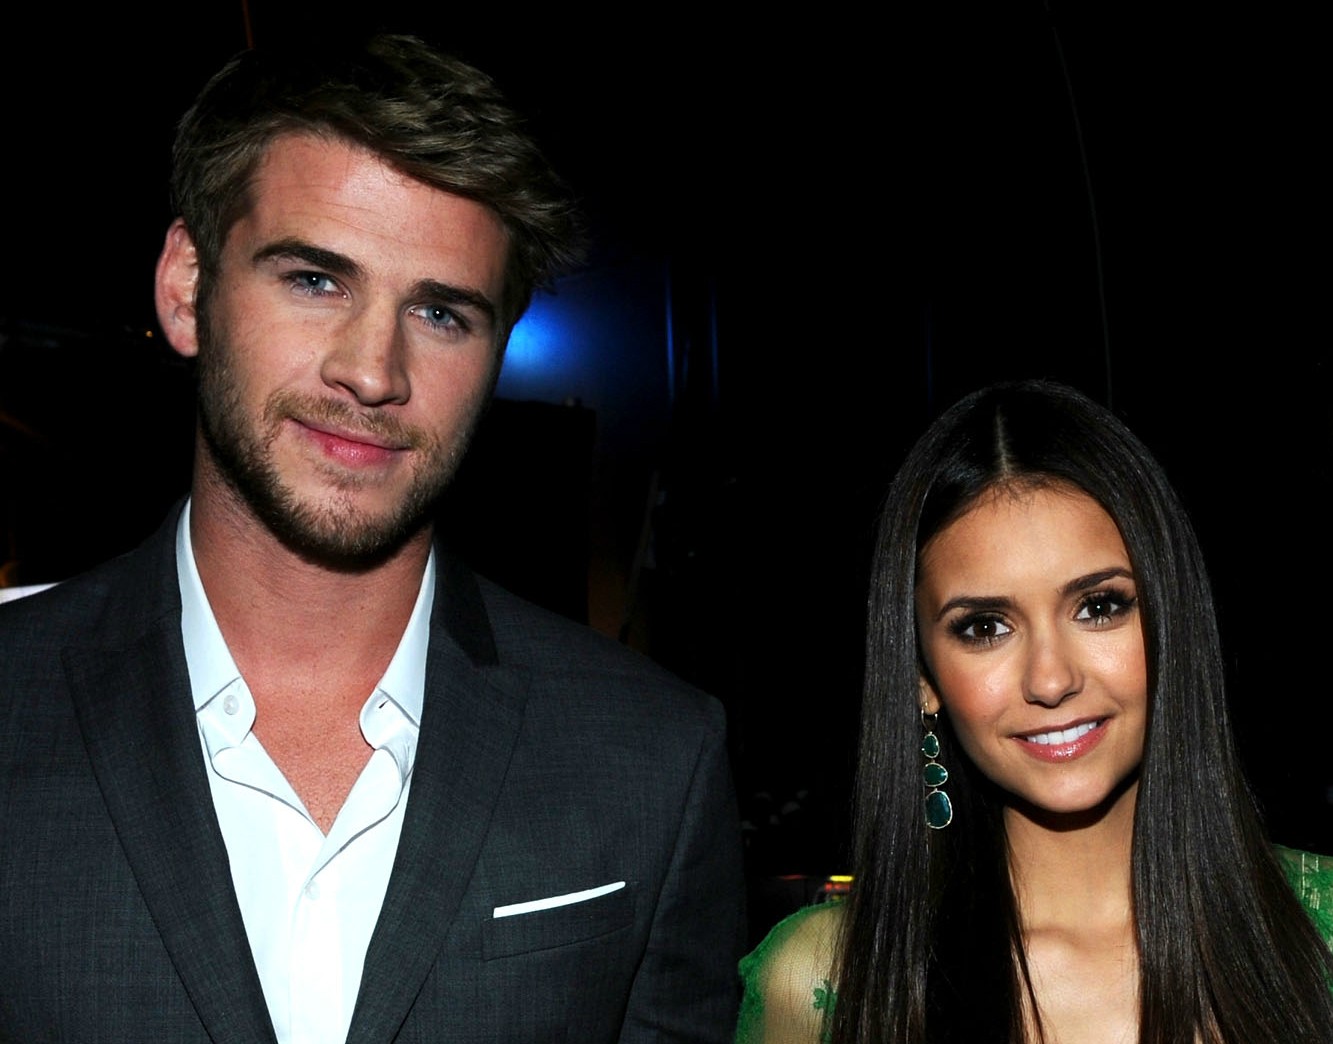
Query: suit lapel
point(132, 698)
point(470, 722)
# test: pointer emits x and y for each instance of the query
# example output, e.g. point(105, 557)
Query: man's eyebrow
point(462, 296)
point(299, 250)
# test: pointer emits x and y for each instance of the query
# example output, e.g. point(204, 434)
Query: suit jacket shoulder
point(581, 665)
point(117, 915)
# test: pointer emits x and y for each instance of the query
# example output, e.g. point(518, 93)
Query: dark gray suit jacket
point(550, 761)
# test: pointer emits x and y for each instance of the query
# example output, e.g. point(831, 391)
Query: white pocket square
point(552, 901)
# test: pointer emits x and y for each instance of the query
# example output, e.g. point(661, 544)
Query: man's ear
point(175, 287)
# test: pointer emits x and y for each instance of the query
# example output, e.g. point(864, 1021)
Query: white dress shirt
point(309, 901)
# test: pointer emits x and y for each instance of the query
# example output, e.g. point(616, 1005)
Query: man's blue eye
point(438, 317)
point(314, 283)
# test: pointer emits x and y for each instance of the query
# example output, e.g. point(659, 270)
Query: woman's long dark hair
point(931, 949)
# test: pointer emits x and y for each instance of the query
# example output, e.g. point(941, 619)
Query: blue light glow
point(534, 344)
point(549, 349)
point(597, 341)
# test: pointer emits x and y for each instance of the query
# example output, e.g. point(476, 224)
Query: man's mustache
point(376, 423)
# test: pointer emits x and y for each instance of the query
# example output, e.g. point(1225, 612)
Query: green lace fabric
point(794, 953)
point(1311, 877)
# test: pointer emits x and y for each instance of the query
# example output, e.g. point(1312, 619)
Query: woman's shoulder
point(1311, 876)
point(788, 978)
point(802, 943)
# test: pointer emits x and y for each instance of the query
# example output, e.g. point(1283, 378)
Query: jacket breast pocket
point(557, 926)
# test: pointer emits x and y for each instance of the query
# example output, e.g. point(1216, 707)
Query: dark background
point(848, 221)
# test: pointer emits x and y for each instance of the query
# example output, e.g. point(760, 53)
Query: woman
point(1053, 841)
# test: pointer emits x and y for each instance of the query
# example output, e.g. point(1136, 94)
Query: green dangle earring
point(939, 809)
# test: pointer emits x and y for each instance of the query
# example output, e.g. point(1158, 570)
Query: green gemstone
point(930, 746)
point(939, 810)
point(935, 774)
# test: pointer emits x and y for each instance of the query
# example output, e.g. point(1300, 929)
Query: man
point(288, 772)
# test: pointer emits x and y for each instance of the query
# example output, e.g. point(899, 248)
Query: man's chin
point(347, 530)
point(344, 541)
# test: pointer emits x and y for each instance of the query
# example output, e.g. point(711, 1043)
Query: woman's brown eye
point(981, 629)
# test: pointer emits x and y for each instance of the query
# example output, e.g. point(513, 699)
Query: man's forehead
point(303, 177)
point(315, 155)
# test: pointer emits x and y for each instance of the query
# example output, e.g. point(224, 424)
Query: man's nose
point(369, 358)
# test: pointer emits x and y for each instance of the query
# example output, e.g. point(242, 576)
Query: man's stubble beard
point(334, 531)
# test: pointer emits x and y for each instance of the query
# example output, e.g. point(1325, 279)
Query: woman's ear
point(175, 286)
point(929, 698)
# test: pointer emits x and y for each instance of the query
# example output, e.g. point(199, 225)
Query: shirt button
point(230, 703)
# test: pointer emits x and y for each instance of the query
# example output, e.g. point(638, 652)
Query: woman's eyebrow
point(976, 603)
point(1090, 580)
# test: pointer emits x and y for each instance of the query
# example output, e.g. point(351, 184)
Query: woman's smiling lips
point(1064, 743)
